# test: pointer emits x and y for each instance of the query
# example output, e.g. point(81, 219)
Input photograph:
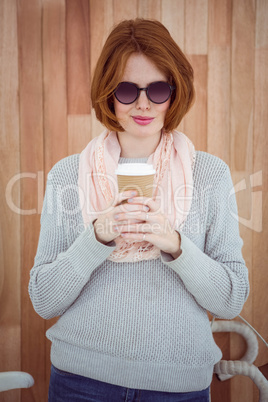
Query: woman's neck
point(137, 147)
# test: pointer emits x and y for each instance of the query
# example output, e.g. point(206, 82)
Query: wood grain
point(101, 22)
point(173, 18)
point(149, 9)
point(241, 161)
point(195, 122)
point(79, 133)
point(196, 23)
point(78, 56)
point(260, 259)
point(261, 41)
point(243, 42)
point(260, 166)
point(124, 10)
point(32, 162)
point(172, 13)
point(54, 75)
point(55, 102)
point(195, 26)
point(219, 78)
point(218, 126)
point(10, 270)
point(219, 75)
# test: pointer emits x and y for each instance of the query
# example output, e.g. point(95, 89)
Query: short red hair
point(152, 39)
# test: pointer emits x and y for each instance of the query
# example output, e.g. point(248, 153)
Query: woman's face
point(141, 71)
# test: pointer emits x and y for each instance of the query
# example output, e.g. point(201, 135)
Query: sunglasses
point(157, 92)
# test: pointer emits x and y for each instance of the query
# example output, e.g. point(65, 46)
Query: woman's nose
point(143, 102)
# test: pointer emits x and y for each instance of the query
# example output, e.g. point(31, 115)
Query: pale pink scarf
point(173, 161)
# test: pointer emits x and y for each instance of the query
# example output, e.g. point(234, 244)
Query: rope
point(246, 332)
point(238, 367)
point(15, 379)
point(227, 369)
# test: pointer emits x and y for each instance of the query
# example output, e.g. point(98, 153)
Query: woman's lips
point(142, 120)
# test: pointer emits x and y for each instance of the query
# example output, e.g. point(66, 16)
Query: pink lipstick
point(142, 120)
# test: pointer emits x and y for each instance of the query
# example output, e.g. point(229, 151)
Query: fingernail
point(147, 208)
point(129, 193)
point(116, 216)
point(130, 200)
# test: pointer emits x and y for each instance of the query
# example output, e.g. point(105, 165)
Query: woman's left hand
point(155, 227)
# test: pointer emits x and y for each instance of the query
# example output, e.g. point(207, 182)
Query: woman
point(132, 282)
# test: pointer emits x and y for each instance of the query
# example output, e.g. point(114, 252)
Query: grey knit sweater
point(139, 325)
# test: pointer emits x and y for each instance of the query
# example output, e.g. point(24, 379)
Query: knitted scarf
point(173, 161)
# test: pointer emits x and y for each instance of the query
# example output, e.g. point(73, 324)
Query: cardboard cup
point(142, 184)
point(136, 176)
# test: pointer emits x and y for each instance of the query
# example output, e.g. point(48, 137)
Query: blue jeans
point(67, 387)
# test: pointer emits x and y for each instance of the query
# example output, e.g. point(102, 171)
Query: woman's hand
point(106, 225)
point(153, 225)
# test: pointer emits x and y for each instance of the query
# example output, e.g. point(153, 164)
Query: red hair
point(152, 39)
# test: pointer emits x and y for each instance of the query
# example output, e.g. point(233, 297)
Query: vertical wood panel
point(79, 133)
point(219, 74)
point(149, 9)
point(54, 73)
point(218, 133)
point(261, 25)
point(10, 331)
point(219, 78)
point(101, 22)
point(260, 164)
point(196, 20)
point(78, 56)
point(242, 96)
point(195, 122)
point(242, 84)
point(55, 101)
point(31, 129)
point(124, 10)
point(173, 18)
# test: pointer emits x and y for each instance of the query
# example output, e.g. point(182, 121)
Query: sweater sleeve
point(60, 272)
point(216, 276)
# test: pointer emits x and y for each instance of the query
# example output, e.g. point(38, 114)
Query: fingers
point(124, 196)
point(131, 199)
point(127, 217)
point(134, 220)
point(141, 219)
point(153, 205)
point(127, 212)
point(139, 228)
point(140, 236)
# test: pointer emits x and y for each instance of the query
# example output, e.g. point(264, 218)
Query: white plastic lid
point(134, 169)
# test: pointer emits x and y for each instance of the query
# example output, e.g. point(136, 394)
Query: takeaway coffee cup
point(136, 176)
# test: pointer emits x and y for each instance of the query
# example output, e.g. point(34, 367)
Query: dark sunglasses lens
point(126, 92)
point(159, 92)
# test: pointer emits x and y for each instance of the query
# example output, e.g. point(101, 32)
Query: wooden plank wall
point(48, 50)
point(10, 229)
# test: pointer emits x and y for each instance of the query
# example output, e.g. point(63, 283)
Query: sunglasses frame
point(171, 88)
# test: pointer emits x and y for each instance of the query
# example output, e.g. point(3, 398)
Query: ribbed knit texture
point(140, 325)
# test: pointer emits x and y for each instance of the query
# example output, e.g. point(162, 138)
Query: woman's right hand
point(106, 227)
